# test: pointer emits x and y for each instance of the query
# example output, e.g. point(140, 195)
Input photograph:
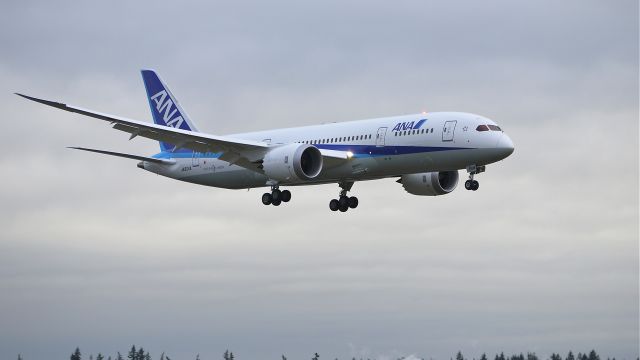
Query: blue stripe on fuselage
point(358, 151)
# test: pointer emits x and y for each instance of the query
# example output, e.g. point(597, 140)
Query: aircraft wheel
point(353, 202)
point(286, 195)
point(344, 208)
point(475, 185)
point(343, 201)
point(468, 184)
point(266, 199)
point(334, 205)
point(276, 202)
point(276, 195)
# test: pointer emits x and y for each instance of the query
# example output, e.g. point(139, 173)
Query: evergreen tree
point(483, 357)
point(147, 356)
point(231, 357)
point(162, 356)
point(100, 357)
point(555, 356)
point(533, 356)
point(133, 354)
point(570, 356)
point(284, 357)
point(501, 356)
point(593, 355)
point(198, 357)
point(119, 356)
point(76, 355)
point(19, 357)
point(316, 357)
point(140, 354)
point(459, 356)
point(225, 356)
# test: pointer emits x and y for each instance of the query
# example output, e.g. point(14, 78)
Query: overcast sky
point(96, 253)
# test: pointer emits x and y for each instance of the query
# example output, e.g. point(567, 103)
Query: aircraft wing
point(247, 149)
point(245, 153)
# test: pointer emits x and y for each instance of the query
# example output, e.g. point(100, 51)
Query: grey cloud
point(98, 254)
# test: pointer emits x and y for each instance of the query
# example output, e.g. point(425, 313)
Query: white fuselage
point(382, 147)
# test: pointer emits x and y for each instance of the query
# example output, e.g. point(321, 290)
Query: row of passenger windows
point(412, 132)
point(336, 140)
point(488, 127)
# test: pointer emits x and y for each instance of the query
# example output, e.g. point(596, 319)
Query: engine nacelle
point(293, 162)
point(430, 184)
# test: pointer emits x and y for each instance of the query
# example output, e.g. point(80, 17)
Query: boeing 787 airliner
point(424, 151)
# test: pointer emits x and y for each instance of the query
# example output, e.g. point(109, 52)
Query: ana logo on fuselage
point(164, 105)
point(409, 125)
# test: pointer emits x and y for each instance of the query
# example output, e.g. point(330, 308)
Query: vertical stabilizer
point(165, 108)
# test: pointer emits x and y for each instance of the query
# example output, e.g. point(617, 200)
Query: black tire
point(276, 202)
point(467, 184)
point(266, 199)
point(334, 205)
point(343, 201)
point(353, 202)
point(344, 208)
point(285, 195)
point(276, 195)
point(475, 185)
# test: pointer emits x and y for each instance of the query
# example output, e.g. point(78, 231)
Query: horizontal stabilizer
point(128, 156)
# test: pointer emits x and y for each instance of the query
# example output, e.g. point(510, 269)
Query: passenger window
point(482, 128)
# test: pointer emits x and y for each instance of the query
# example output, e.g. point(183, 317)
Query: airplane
point(424, 151)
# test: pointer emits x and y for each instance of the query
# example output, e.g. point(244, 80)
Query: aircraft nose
point(505, 145)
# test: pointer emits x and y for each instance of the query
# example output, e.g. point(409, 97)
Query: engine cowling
point(293, 162)
point(430, 184)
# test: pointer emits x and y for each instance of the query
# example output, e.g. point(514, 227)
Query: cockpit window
point(482, 128)
point(495, 128)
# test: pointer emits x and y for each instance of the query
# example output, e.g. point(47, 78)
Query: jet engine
point(430, 184)
point(293, 162)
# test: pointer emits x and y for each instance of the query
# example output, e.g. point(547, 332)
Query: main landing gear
point(473, 170)
point(344, 202)
point(276, 197)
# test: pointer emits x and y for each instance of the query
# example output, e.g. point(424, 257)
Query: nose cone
point(505, 145)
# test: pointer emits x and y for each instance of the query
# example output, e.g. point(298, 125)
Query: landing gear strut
point(344, 202)
point(473, 170)
point(276, 197)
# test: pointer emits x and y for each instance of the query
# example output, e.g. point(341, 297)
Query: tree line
point(141, 354)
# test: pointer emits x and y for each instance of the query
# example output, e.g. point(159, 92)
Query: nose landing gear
point(473, 170)
point(344, 202)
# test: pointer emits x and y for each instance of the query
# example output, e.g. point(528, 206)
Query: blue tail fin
point(165, 108)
